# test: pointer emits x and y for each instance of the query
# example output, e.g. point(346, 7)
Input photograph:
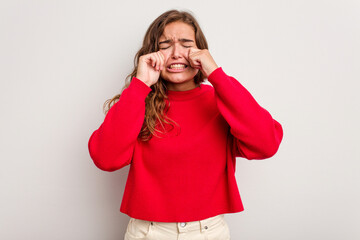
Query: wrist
point(211, 70)
point(145, 82)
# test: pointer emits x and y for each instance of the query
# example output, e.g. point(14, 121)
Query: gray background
point(60, 60)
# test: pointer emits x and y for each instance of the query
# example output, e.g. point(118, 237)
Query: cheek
point(166, 56)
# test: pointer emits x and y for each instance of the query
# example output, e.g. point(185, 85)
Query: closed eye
point(169, 46)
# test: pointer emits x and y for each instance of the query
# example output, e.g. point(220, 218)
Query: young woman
point(181, 137)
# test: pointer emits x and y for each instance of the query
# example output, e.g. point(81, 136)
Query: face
point(174, 44)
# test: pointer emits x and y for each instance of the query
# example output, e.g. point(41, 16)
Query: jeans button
point(183, 224)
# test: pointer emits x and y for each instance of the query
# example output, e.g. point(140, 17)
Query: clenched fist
point(202, 59)
point(149, 67)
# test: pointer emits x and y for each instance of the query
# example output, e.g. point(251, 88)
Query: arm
point(257, 135)
point(111, 146)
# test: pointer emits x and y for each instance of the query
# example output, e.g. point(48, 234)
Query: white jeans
point(213, 228)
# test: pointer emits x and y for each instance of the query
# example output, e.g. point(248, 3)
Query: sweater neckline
point(185, 95)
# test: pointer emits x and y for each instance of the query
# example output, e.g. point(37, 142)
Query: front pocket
point(218, 231)
point(138, 229)
point(227, 230)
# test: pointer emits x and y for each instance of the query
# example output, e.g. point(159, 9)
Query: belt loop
point(177, 226)
point(203, 226)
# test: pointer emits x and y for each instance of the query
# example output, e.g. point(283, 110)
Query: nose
point(177, 52)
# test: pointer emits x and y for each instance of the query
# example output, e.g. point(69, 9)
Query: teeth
point(177, 66)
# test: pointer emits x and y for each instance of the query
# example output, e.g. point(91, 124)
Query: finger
point(161, 54)
point(196, 64)
point(194, 59)
point(150, 59)
point(193, 51)
point(158, 61)
point(161, 58)
point(188, 54)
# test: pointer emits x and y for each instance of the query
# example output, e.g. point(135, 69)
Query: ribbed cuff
point(139, 88)
point(216, 75)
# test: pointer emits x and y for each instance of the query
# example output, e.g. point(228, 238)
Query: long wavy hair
point(155, 104)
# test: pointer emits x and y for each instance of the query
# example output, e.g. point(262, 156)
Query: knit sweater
point(187, 174)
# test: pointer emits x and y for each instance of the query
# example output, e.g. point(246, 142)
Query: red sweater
point(189, 174)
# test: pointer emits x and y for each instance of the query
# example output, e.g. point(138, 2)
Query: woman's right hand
point(149, 67)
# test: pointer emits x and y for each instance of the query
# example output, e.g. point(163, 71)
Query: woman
point(180, 136)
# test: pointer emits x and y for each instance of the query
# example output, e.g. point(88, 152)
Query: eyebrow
point(180, 40)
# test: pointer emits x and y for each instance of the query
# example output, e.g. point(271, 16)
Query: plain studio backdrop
point(60, 61)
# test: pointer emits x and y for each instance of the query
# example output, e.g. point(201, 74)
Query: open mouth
point(177, 66)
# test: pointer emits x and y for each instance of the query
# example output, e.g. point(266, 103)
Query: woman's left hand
point(202, 59)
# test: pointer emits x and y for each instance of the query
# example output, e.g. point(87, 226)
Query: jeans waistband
point(190, 226)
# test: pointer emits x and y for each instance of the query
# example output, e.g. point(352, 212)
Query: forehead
point(176, 30)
